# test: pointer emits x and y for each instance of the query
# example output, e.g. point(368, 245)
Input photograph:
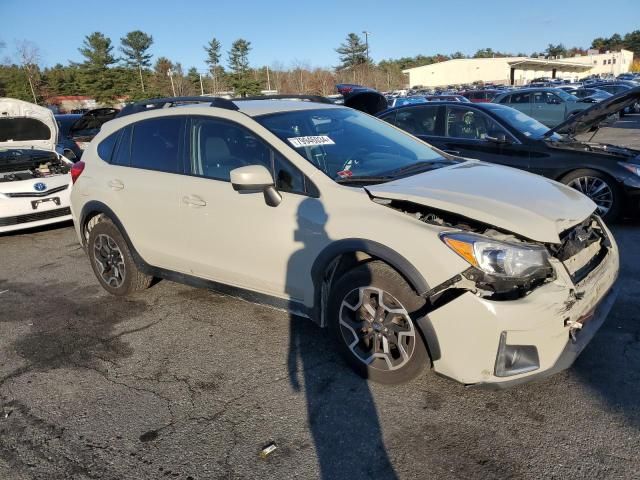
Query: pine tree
point(95, 78)
point(134, 47)
point(242, 82)
point(352, 52)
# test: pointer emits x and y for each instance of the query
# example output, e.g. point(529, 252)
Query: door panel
point(235, 237)
point(547, 108)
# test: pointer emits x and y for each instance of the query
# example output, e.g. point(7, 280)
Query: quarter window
point(156, 144)
point(122, 154)
point(106, 146)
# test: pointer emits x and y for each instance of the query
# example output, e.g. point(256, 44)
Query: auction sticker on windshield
point(311, 141)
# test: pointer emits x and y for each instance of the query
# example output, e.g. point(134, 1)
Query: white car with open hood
point(34, 179)
point(410, 256)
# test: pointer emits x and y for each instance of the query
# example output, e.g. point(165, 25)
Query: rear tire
point(112, 261)
point(600, 188)
point(370, 316)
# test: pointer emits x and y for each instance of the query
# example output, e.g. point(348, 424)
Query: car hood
point(26, 125)
point(522, 203)
point(362, 98)
point(586, 119)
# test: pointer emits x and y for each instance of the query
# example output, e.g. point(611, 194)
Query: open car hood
point(522, 203)
point(362, 98)
point(89, 124)
point(26, 125)
point(583, 121)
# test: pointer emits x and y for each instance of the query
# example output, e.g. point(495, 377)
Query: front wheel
point(370, 314)
point(600, 188)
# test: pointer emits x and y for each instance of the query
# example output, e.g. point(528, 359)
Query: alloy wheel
point(109, 260)
point(597, 190)
point(377, 329)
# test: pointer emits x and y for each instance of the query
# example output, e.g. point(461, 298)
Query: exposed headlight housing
point(504, 260)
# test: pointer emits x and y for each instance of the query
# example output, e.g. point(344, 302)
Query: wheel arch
point(341, 254)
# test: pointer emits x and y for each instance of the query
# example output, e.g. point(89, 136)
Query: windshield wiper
point(364, 179)
point(422, 166)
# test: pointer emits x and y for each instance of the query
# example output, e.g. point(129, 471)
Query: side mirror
point(254, 179)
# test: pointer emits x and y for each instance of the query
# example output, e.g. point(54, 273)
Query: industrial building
point(518, 70)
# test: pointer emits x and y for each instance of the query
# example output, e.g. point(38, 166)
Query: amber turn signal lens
point(464, 249)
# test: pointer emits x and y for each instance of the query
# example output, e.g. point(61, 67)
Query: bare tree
point(28, 55)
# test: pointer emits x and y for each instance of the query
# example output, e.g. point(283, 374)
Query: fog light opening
point(515, 359)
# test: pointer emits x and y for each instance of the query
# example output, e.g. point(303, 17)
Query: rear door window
point(418, 120)
point(520, 98)
point(156, 144)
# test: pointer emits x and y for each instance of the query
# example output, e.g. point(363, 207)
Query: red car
point(480, 96)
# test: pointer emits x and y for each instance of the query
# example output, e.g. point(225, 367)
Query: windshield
point(526, 125)
point(347, 144)
point(565, 96)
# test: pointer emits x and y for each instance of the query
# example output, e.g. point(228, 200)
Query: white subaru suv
point(410, 256)
point(34, 178)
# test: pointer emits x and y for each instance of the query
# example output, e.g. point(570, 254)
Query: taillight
point(76, 170)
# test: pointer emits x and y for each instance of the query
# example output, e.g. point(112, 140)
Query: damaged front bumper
point(555, 321)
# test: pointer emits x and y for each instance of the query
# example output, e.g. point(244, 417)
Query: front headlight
point(500, 259)
point(632, 167)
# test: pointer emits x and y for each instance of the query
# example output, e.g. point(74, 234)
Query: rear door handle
point(116, 185)
point(193, 201)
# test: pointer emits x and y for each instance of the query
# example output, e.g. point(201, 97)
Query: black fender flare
point(96, 207)
point(389, 256)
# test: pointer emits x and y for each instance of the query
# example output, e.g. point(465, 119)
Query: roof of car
point(253, 108)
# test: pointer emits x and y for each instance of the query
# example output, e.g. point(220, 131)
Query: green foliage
point(134, 47)
point(352, 52)
point(97, 51)
point(239, 56)
point(556, 50)
point(213, 53)
point(631, 41)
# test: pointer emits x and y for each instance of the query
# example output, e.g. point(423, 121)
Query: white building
point(518, 70)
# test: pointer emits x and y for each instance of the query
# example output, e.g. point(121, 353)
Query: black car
point(75, 130)
point(608, 174)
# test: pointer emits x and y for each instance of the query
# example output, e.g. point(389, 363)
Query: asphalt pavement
point(177, 382)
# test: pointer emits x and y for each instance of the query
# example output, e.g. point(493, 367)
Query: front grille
point(36, 194)
point(34, 217)
point(583, 248)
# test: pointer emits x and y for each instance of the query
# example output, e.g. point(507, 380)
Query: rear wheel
point(370, 315)
point(600, 188)
point(112, 261)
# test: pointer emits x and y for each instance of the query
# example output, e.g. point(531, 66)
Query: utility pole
point(173, 88)
point(201, 87)
point(366, 42)
point(268, 81)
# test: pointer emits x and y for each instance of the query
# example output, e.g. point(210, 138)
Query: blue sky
point(288, 31)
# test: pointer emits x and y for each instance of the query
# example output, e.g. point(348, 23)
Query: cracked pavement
point(177, 382)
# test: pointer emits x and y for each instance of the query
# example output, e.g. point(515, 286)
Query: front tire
point(600, 188)
point(112, 261)
point(371, 310)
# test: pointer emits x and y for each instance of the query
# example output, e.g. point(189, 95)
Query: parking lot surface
point(177, 382)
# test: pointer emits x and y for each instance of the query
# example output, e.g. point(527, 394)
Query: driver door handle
point(193, 201)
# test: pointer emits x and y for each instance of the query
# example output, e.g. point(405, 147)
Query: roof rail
point(156, 103)
point(308, 98)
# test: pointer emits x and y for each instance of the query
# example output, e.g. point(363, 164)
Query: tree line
point(129, 72)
